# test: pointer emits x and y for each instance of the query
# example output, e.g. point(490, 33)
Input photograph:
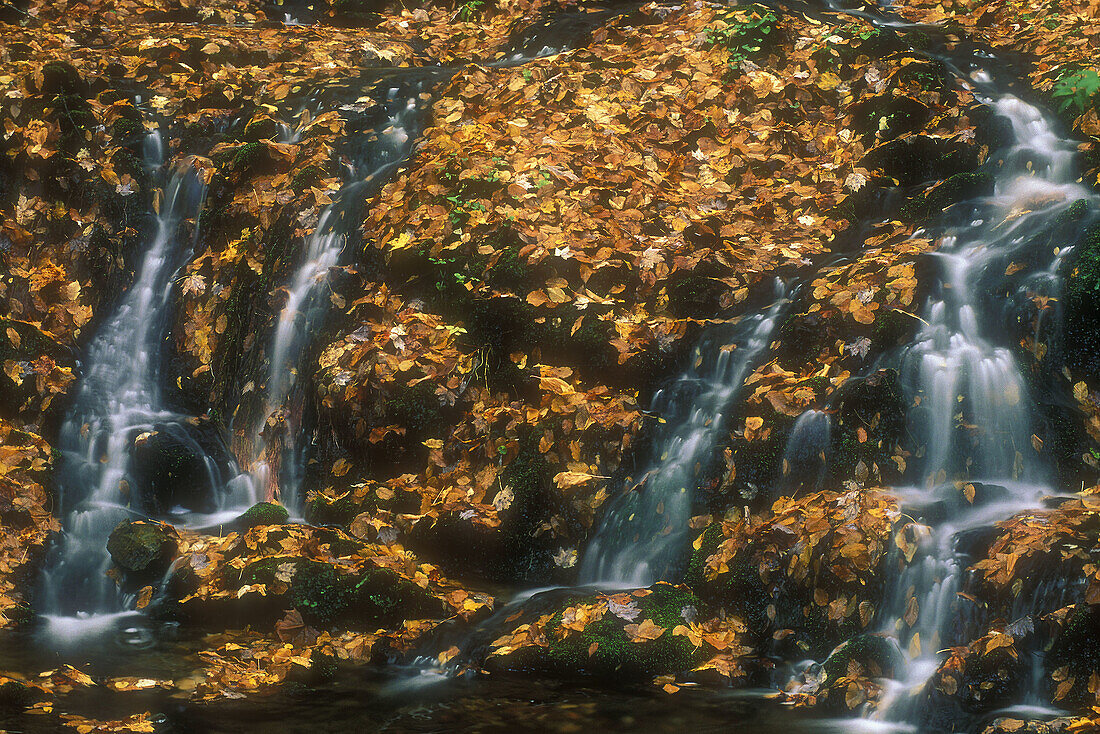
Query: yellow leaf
point(828, 81)
point(570, 479)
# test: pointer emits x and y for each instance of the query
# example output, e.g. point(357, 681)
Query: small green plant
point(469, 10)
point(1077, 91)
point(745, 38)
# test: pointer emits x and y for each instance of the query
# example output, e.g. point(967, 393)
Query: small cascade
point(806, 456)
point(117, 409)
point(643, 533)
point(278, 457)
point(970, 406)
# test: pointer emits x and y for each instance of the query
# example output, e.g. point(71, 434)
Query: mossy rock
point(59, 77)
point(921, 159)
point(16, 695)
point(325, 596)
point(959, 187)
point(143, 550)
point(604, 650)
point(866, 655)
point(696, 296)
point(306, 176)
point(321, 509)
point(1077, 649)
point(263, 513)
point(263, 128)
point(168, 467)
point(1081, 332)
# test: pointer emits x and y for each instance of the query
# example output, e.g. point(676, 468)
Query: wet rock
point(959, 187)
point(1073, 661)
point(916, 159)
point(1082, 307)
point(963, 496)
point(866, 655)
point(17, 695)
point(974, 543)
point(850, 679)
point(177, 465)
point(143, 550)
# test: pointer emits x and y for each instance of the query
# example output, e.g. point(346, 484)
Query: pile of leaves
point(26, 521)
point(809, 573)
point(1033, 549)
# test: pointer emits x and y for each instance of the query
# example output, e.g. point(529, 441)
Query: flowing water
point(970, 413)
point(643, 534)
point(972, 410)
point(806, 455)
point(280, 457)
point(117, 407)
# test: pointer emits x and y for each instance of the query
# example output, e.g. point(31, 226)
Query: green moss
point(127, 130)
point(324, 596)
point(141, 547)
point(264, 513)
point(1077, 648)
point(59, 77)
point(306, 177)
point(510, 272)
point(247, 156)
point(418, 409)
point(261, 129)
point(694, 576)
point(615, 656)
point(1082, 307)
point(325, 510)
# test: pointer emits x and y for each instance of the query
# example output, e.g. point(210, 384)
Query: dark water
point(371, 700)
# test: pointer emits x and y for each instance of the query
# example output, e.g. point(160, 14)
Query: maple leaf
point(566, 558)
point(628, 611)
point(193, 283)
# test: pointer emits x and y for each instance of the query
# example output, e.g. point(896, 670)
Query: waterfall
point(118, 404)
point(278, 459)
point(643, 534)
point(971, 406)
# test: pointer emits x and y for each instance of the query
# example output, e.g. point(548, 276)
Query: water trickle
point(279, 459)
point(118, 405)
point(806, 456)
point(643, 533)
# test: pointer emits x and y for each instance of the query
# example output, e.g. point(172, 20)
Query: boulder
point(176, 465)
point(143, 550)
